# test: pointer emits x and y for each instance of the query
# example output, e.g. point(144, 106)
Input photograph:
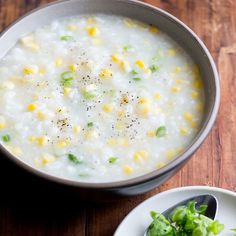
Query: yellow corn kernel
point(124, 65)
point(121, 113)
point(183, 131)
point(188, 116)
point(194, 94)
point(119, 125)
point(105, 74)
point(72, 27)
point(91, 20)
point(3, 125)
point(41, 115)
point(32, 107)
point(200, 107)
point(29, 70)
point(30, 43)
point(179, 81)
point(42, 140)
point(153, 29)
point(196, 71)
point(73, 67)
point(140, 64)
point(175, 89)
point(115, 58)
point(129, 22)
point(32, 139)
point(62, 144)
point(58, 62)
point(48, 158)
point(128, 169)
point(170, 154)
point(140, 155)
point(92, 134)
point(76, 129)
point(148, 71)
point(177, 69)
point(107, 108)
point(42, 71)
point(160, 164)
point(157, 95)
point(143, 100)
point(151, 134)
point(144, 110)
point(197, 84)
point(66, 91)
point(92, 31)
point(171, 51)
point(111, 141)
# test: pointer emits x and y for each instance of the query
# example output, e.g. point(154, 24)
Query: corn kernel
point(42, 71)
point(111, 141)
point(105, 73)
point(41, 115)
point(32, 107)
point(194, 124)
point(177, 69)
point(3, 125)
point(58, 62)
point(30, 43)
point(73, 67)
point(72, 27)
point(175, 89)
point(92, 134)
point(66, 91)
point(183, 131)
point(121, 113)
point(48, 158)
point(140, 64)
point(91, 20)
point(107, 108)
point(119, 125)
point(143, 100)
point(194, 94)
point(42, 140)
point(179, 81)
point(151, 134)
point(148, 71)
point(153, 29)
point(172, 51)
point(115, 58)
point(76, 129)
point(29, 70)
point(129, 22)
point(125, 66)
point(196, 71)
point(124, 142)
point(170, 154)
point(157, 95)
point(160, 164)
point(140, 155)
point(32, 139)
point(144, 110)
point(62, 144)
point(188, 116)
point(92, 31)
point(128, 170)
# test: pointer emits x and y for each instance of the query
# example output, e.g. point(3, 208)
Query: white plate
point(136, 222)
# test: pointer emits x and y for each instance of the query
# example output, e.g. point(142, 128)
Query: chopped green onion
point(127, 48)
point(161, 131)
point(66, 78)
point(136, 79)
point(112, 160)
point(6, 138)
point(134, 72)
point(90, 124)
point(74, 159)
point(83, 175)
point(154, 68)
point(89, 95)
point(66, 37)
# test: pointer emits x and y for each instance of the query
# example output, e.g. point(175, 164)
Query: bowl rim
point(153, 174)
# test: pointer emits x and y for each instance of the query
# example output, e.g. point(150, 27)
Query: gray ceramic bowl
point(146, 13)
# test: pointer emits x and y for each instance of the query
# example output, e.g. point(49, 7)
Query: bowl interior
point(165, 22)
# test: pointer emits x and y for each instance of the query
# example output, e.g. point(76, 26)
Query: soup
point(98, 98)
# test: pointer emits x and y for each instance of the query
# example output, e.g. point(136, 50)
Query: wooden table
point(29, 207)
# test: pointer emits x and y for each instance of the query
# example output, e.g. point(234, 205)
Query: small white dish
point(137, 221)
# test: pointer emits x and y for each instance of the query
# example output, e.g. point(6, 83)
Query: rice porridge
point(98, 98)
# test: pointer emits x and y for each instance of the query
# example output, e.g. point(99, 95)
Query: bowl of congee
point(108, 97)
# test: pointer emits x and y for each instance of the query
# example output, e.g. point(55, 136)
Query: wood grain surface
point(30, 207)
